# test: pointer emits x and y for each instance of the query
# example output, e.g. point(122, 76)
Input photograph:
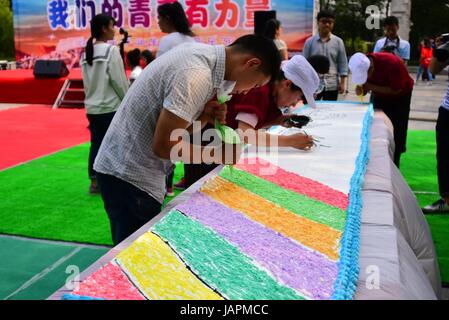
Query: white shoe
point(439, 206)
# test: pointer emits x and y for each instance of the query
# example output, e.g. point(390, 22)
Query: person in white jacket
point(105, 84)
point(173, 21)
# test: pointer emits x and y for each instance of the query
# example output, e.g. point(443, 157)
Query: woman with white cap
point(387, 77)
point(261, 107)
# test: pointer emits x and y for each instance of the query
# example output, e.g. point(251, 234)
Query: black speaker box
point(50, 69)
point(260, 20)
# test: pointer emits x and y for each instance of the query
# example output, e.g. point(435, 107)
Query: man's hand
point(342, 86)
point(214, 110)
point(300, 141)
point(359, 90)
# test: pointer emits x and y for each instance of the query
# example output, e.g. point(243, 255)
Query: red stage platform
point(20, 86)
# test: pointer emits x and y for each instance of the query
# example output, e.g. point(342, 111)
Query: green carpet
point(24, 259)
point(48, 198)
point(418, 165)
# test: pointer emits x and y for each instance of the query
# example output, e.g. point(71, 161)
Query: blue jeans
point(128, 207)
point(420, 72)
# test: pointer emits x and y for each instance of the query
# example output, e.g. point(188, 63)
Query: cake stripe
point(291, 181)
point(308, 272)
point(108, 283)
point(311, 234)
point(218, 263)
point(297, 203)
point(159, 273)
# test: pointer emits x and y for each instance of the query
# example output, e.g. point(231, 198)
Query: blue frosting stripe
point(348, 274)
point(77, 297)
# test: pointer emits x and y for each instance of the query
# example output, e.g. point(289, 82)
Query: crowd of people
point(131, 121)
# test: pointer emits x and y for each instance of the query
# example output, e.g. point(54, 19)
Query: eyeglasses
point(327, 21)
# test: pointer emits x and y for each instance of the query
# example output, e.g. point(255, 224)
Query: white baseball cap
point(359, 65)
point(299, 71)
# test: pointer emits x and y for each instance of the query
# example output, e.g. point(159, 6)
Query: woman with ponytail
point(105, 84)
point(273, 32)
point(173, 20)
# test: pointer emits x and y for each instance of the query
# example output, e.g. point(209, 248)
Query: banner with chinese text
point(59, 29)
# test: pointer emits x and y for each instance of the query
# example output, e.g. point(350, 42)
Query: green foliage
point(351, 22)
point(430, 19)
point(6, 30)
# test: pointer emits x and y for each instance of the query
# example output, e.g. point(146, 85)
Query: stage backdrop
point(58, 29)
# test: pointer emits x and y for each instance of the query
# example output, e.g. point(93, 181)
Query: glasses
point(327, 21)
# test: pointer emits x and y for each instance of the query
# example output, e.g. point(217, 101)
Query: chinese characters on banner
point(59, 29)
point(219, 14)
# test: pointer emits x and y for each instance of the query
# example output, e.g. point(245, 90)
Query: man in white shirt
point(169, 96)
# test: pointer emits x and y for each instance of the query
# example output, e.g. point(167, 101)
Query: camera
point(442, 53)
point(389, 49)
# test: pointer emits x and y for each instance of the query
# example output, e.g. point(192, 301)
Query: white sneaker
point(439, 206)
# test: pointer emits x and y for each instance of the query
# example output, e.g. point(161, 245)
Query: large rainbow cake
point(246, 235)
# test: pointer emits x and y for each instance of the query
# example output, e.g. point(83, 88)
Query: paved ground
point(426, 101)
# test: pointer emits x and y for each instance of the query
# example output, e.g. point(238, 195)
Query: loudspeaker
point(260, 20)
point(50, 69)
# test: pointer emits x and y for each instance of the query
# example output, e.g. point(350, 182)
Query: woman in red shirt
point(424, 62)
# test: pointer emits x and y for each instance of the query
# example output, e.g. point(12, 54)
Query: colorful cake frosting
point(246, 235)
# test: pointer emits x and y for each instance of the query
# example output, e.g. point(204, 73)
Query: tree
point(351, 22)
point(430, 19)
point(6, 30)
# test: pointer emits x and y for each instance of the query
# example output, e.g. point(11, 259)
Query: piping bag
point(226, 134)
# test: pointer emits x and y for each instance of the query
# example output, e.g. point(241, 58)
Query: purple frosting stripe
point(308, 272)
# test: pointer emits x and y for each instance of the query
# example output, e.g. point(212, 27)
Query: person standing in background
point(133, 59)
point(426, 54)
point(173, 20)
point(105, 85)
point(327, 44)
point(147, 57)
point(392, 43)
point(273, 31)
point(437, 64)
point(386, 76)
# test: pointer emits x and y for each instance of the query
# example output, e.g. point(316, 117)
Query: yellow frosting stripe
point(159, 273)
point(311, 234)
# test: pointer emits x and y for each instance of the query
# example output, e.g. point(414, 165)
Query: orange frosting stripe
point(311, 234)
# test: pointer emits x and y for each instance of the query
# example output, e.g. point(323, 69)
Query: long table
point(397, 254)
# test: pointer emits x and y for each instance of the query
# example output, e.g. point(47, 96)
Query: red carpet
point(20, 86)
point(34, 131)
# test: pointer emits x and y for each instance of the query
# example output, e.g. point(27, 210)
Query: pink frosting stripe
point(294, 182)
point(109, 283)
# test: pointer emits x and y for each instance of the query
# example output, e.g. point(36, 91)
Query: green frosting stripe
point(302, 205)
point(218, 263)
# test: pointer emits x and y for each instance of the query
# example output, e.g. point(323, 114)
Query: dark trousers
point(328, 95)
point(128, 207)
point(398, 111)
point(442, 131)
point(98, 125)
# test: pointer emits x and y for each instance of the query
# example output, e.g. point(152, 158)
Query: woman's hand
point(300, 141)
